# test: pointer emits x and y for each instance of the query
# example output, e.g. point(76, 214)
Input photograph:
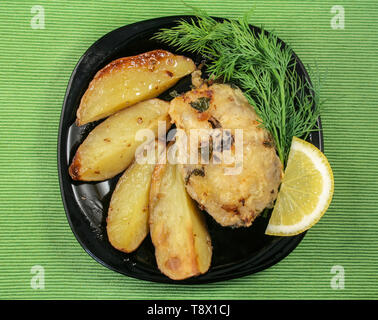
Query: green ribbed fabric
point(35, 66)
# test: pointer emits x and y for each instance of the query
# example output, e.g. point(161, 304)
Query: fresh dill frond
point(260, 65)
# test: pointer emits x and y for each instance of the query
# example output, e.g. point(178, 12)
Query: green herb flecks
point(260, 65)
point(201, 104)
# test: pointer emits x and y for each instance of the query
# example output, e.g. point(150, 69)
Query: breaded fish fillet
point(231, 199)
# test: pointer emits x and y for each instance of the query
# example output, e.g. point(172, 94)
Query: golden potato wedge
point(177, 228)
point(110, 147)
point(129, 80)
point(127, 221)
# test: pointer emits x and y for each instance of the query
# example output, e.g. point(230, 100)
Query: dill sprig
point(260, 65)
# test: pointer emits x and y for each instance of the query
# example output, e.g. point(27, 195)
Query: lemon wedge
point(305, 193)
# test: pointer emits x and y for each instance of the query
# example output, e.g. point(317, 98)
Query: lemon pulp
point(306, 191)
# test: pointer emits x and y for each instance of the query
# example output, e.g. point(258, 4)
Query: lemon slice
point(306, 191)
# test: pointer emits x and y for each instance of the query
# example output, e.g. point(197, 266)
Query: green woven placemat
point(40, 43)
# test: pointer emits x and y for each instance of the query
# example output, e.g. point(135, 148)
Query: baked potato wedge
point(127, 221)
point(110, 147)
point(177, 228)
point(126, 81)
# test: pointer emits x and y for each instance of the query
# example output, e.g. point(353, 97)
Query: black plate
point(236, 252)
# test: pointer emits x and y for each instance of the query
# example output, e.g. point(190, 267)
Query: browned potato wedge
point(110, 147)
point(178, 230)
point(129, 80)
point(127, 221)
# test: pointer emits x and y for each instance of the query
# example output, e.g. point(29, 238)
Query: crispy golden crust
point(232, 200)
point(146, 60)
point(74, 168)
point(155, 185)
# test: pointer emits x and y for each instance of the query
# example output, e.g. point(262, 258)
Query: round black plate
point(236, 252)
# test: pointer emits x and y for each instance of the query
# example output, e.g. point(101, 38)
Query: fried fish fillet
point(231, 199)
